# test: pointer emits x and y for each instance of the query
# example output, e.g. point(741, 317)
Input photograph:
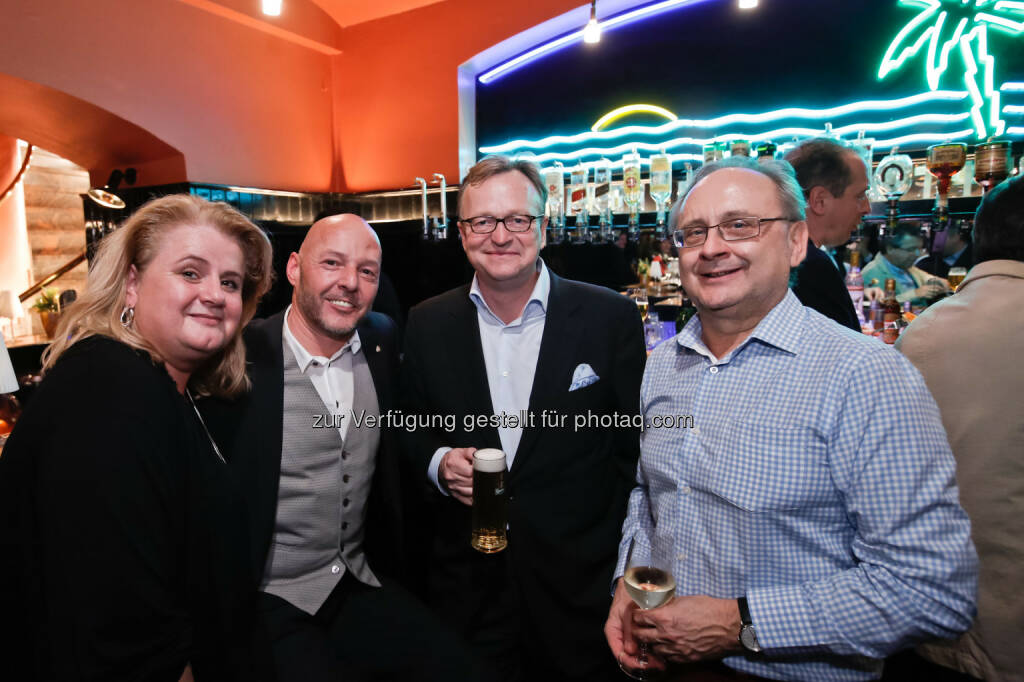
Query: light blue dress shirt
point(817, 480)
point(510, 356)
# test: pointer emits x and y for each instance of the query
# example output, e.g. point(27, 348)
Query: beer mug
point(490, 512)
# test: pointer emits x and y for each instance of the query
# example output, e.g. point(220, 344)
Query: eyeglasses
point(730, 230)
point(483, 224)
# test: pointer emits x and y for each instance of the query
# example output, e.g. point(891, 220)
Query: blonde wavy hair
point(98, 310)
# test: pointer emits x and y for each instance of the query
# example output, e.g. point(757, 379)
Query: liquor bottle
point(739, 148)
point(632, 190)
point(992, 163)
point(602, 196)
point(661, 187)
point(944, 161)
point(578, 197)
point(765, 150)
point(855, 285)
point(554, 178)
point(892, 313)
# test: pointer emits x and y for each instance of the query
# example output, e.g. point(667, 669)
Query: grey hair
point(781, 173)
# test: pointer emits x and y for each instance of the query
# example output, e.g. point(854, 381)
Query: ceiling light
point(272, 8)
point(748, 4)
point(592, 31)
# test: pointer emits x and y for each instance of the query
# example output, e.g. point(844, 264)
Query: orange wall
point(244, 107)
point(396, 110)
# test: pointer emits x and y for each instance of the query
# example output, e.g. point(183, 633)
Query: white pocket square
point(583, 376)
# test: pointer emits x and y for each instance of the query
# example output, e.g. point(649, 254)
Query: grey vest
point(324, 487)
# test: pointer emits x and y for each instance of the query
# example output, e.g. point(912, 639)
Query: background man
point(323, 488)
point(521, 338)
point(811, 513)
point(956, 251)
point(896, 261)
point(835, 184)
point(968, 349)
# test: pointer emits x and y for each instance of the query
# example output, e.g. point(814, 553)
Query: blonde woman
point(123, 548)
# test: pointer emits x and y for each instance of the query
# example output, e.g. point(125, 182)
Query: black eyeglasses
point(730, 230)
point(482, 224)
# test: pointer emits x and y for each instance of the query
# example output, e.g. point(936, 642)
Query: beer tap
point(894, 176)
point(426, 217)
point(442, 232)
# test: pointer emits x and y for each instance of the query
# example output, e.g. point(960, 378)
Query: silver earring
point(127, 316)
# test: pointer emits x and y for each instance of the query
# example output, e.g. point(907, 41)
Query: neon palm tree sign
point(945, 25)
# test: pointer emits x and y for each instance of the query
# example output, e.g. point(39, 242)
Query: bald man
point(310, 447)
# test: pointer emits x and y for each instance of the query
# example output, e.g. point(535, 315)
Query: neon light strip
point(616, 114)
point(781, 133)
point(1013, 109)
point(1015, 130)
point(722, 121)
point(1012, 87)
point(505, 68)
point(879, 144)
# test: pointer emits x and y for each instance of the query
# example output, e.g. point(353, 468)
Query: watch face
point(748, 638)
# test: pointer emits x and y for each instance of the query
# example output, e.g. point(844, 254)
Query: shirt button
point(335, 569)
point(344, 503)
point(681, 557)
point(684, 489)
point(344, 525)
point(696, 430)
point(505, 373)
point(344, 455)
point(344, 479)
point(714, 369)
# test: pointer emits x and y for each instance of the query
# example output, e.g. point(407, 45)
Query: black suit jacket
point(821, 286)
point(567, 490)
point(934, 263)
point(249, 432)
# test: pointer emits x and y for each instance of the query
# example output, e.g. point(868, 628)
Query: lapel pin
point(378, 349)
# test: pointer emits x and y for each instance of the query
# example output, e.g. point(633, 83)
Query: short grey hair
point(781, 173)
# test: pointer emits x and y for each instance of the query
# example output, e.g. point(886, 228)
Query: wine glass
point(649, 583)
point(639, 296)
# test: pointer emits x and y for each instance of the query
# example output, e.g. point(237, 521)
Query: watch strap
point(744, 611)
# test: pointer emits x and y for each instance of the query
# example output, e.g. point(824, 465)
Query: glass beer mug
point(490, 504)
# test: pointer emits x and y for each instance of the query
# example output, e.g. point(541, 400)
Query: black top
point(123, 544)
point(820, 285)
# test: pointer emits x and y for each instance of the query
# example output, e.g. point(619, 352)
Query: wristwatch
point(748, 637)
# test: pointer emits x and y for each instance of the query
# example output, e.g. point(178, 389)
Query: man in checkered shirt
point(809, 511)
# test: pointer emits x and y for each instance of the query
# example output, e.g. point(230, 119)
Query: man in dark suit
point(835, 184)
point(518, 341)
point(955, 251)
point(322, 479)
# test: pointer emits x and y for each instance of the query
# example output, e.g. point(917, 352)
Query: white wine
point(642, 305)
point(648, 586)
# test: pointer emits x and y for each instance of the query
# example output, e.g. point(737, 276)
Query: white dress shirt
point(331, 377)
point(510, 356)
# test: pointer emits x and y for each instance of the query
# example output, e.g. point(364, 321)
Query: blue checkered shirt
point(816, 480)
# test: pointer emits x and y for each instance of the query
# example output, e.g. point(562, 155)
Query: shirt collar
point(304, 358)
point(950, 259)
point(780, 328)
point(538, 299)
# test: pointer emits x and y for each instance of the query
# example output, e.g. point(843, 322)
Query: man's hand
point(689, 628)
point(933, 288)
point(618, 630)
point(873, 294)
point(456, 473)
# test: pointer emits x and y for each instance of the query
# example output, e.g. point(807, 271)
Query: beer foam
point(489, 460)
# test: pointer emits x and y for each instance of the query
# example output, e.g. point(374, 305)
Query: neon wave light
point(778, 133)
point(731, 119)
point(1013, 109)
point(1012, 87)
point(547, 48)
point(616, 114)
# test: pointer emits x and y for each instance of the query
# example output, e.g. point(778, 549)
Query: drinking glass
point(639, 296)
point(956, 276)
point(649, 583)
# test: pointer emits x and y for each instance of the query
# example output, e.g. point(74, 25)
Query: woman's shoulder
point(100, 368)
